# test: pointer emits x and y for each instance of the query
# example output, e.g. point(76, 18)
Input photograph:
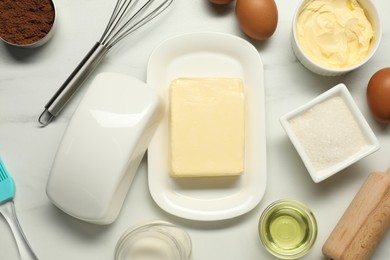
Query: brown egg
point(220, 2)
point(257, 18)
point(378, 95)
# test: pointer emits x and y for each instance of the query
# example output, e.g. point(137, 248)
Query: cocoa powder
point(24, 22)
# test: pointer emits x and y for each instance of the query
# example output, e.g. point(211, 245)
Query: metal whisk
point(127, 17)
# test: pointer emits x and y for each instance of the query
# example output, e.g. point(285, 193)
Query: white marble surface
point(28, 78)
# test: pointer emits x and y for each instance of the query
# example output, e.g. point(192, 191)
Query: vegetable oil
point(287, 229)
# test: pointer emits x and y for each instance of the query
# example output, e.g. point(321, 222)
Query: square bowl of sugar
point(329, 133)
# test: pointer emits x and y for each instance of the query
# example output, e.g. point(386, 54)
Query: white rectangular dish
point(209, 55)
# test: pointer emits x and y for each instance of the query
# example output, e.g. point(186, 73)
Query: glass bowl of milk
point(154, 240)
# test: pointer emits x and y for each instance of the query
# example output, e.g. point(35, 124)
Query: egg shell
point(257, 18)
point(220, 2)
point(378, 95)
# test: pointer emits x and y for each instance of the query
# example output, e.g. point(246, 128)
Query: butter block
point(207, 127)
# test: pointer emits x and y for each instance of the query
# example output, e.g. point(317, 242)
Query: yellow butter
point(334, 33)
point(207, 127)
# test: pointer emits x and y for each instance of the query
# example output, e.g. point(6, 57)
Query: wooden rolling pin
point(364, 223)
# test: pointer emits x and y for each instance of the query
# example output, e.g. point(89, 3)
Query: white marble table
point(28, 78)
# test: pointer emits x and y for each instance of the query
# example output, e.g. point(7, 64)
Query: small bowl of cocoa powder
point(27, 23)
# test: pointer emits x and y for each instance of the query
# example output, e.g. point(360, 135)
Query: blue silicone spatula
point(7, 209)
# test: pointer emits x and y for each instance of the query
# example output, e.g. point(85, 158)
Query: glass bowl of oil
point(287, 229)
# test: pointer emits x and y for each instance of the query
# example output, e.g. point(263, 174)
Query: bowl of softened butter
point(332, 38)
point(287, 229)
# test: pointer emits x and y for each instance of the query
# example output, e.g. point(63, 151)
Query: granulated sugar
point(328, 133)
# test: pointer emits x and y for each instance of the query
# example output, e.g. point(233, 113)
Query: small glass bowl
point(154, 240)
point(287, 229)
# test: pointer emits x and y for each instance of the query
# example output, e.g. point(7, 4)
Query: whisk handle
point(72, 83)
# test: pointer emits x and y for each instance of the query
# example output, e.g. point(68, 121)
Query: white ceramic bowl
point(315, 140)
point(317, 68)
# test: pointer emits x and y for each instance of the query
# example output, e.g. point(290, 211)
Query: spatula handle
point(9, 213)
